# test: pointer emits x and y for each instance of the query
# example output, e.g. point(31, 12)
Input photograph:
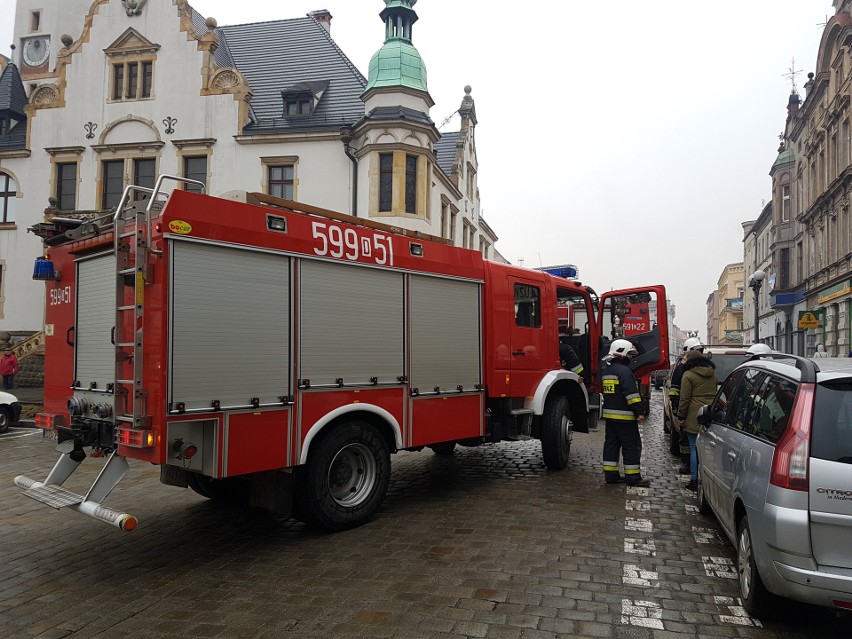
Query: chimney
point(323, 16)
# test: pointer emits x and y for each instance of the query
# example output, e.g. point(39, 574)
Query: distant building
point(105, 93)
point(725, 308)
point(803, 238)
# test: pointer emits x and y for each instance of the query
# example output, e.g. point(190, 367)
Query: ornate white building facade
point(100, 94)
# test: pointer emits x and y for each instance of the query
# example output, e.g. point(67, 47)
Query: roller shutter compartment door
point(445, 334)
point(230, 338)
point(351, 324)
point(96, 281)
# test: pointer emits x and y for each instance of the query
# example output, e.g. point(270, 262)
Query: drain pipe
point(346, 138)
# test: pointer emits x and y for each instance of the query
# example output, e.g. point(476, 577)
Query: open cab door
point(638, 315)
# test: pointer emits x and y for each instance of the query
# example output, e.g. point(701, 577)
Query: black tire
point(757, 600)
point(444, 448)
point(5, 418)
point(346, 477)
point(556, 432)
point(701, 496)
point(233, 490)
point(674, 440)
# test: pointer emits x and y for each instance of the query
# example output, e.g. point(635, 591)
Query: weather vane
point(792, 72)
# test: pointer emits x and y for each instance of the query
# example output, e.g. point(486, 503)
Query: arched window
point(8, 193)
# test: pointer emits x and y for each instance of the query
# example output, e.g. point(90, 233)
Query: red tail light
point(792, 453)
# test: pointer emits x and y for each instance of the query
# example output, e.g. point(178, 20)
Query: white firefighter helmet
point(622, 348)
point(759, 349)
point(693, 344)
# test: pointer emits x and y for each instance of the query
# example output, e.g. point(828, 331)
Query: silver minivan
point(775, 466)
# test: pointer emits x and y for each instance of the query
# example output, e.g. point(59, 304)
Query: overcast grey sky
point(629, 138)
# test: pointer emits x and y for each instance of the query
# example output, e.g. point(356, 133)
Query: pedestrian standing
point(9, 368)
point(623, 412)
point(697, 388)
point(692, 344)
point(820, 351)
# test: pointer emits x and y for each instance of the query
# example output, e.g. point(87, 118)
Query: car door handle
point(732, 456)
point(518, 353)
point(712, 442)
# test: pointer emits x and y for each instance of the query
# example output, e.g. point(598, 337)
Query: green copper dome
point(784, 157)
point(397, 63)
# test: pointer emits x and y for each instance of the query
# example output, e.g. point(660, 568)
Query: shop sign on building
point(810, 319)
point(838, 290)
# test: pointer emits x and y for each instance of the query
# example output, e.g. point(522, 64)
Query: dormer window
point(298, 105)
point(300, 100)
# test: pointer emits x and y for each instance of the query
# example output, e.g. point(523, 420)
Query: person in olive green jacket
point(697, 388)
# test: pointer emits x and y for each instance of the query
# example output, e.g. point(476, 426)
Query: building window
point(8, 192)
point(453, 216)
point(295, 106)
point(144, 174)
point(444, 208)
point(195, 168)
point(785, 269)
point(132, 80)
point(66, 186)
point(281, 181)
point(35, 21)
point(411, 184)
point(113, 183)
point(385, 181)
point(785, 203)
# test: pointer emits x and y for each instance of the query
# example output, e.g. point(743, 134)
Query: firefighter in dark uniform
point(692, 344)
point(568, 357)
point(623, 411)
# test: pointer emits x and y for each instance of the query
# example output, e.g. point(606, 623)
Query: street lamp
point(755, 281)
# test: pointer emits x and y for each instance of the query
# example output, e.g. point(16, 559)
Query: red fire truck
point(277, 352)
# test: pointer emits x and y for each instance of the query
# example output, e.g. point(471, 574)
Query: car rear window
point(832, 426)
point(726, 363)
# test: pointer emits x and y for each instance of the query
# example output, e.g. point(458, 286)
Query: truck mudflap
point(51, 492)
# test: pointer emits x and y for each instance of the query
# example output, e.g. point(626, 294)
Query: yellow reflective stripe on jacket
point(634, 398)
point(674, 392)
point(578, 369)
point(626, 415)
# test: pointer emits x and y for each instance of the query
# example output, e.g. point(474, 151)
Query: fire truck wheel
point(346, 478)
point(444, 448)
point(556, 432)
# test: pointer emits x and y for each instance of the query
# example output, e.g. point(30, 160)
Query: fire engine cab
point(281, 353)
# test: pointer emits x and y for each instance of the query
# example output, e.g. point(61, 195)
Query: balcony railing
point(734, 336)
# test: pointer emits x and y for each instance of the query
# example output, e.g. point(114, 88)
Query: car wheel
point(5, 418)
point(756, 598)
point(346, 478)
point(674, 441)
point(556, 433)
point(701, 496)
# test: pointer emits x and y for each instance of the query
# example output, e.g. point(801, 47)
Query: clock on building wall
point(36, 51)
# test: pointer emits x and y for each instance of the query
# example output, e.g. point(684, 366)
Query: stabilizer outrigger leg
point(52, 493)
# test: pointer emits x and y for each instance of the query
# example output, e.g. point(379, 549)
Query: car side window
point(773, 408)
point(721, 404)
point(744, 400)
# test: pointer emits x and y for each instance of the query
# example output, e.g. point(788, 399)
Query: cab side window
point(527, 306)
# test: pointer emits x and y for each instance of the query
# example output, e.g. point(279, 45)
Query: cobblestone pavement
point(486, 543)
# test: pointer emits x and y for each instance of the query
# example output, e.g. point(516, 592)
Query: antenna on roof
point(447, 120)
point(792, 72)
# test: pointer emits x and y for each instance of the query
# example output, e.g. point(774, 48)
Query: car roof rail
point(806, 366)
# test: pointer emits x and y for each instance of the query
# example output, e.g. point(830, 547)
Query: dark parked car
point(775, 466)
point(658, 378)
point(726, 359)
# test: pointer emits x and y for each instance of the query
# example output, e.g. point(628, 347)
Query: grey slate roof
point(13, 98)
point(445, 149)
point(278, 55)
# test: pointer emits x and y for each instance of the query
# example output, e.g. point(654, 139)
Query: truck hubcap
point(352, 475)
